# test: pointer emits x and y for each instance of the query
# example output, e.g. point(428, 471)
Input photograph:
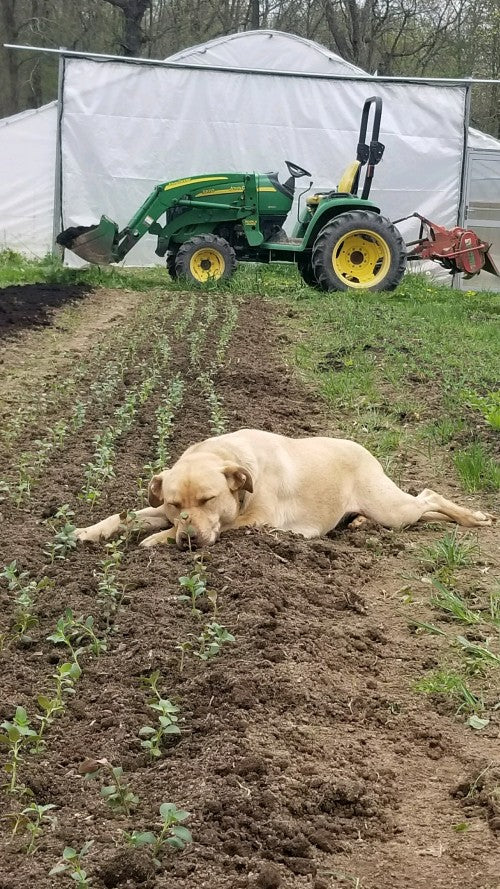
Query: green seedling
point(450, 602)
point(65, 677)
point(117, 794)
point(165, 414)
point(218, 420)
point(211, 640)
point(196, 587)
point(77, 634)
point(34, 819)
point(26, 591)
point(15, 579)
point(64, 535)
point(167, 718)
point(185, 648)
point(172, 835)
point(17, 735)
point(72, 863)
point(494, 606)
point(110, 592)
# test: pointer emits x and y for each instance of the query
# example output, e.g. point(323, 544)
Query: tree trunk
point(8, 19)
point(254, 15)
point(133, 14)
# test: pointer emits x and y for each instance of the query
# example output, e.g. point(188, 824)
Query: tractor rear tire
point(359, 250)
point(205, 258)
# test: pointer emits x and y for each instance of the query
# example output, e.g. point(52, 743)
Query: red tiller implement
point(456, 249)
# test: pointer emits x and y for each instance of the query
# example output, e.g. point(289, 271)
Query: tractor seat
point(349, 179)
point(346, 187)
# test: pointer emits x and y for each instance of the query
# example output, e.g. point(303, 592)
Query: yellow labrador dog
point(257, 478)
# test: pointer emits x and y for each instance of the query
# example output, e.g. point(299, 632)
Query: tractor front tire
point(171, 257)
point(205, 258)
point(306, 272)
point(359, 250)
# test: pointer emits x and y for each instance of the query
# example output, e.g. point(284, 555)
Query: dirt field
point(306, 758)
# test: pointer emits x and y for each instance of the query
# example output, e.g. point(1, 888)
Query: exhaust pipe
point(93, 243)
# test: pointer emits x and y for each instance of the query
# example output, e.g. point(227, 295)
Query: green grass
point(398, 370)
point(17, 269)
point(476, 469)
point(453, 604)
point(453, 687)
point(451, 552)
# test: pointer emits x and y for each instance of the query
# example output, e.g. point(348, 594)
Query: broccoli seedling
point(172, 834)
point(65, 677)
point(33, 819)
point(211, 640)
point(17, 735)
point(72, 863)
point(73, 632)
point(167, 718)
point(64, 534)
point(117, 795)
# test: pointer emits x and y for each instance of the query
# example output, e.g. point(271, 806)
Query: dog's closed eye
point(203, 500)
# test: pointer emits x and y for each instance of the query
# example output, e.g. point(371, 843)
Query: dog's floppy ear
point(155, 493)
point(238, 477)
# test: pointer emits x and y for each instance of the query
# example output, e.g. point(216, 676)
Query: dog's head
point(201, 496)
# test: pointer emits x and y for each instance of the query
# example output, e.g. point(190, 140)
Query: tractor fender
point(327, 210)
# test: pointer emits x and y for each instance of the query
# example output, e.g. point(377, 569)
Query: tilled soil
point(28, 305)
point(306, 759)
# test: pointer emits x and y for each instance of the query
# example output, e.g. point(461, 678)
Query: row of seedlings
point(30, 464)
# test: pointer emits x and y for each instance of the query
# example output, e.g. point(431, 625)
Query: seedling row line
point(31, 463)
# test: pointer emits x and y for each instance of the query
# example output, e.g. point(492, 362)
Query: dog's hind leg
point(388, 505)
point(151, 519)
point(452, 512)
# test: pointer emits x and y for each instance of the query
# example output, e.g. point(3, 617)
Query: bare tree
point(10, 30)
point(133, 14)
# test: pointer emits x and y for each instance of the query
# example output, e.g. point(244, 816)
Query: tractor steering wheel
point(295, 171)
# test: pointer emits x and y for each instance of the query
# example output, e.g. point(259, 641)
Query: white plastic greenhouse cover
point(127, 127)
point(271, 50)
point(27, 165)
point(127, 166)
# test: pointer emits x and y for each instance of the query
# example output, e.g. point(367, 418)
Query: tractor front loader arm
point(188, 204)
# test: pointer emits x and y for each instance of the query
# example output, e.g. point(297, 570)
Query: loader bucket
point(94, 243)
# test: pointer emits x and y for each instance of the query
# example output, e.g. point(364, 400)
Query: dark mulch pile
point(29, 305)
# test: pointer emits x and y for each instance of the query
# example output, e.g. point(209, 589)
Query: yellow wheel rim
point(361, 258)
point(207, 263)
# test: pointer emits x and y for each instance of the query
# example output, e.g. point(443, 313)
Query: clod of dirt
point(301, 866)
point(269, 877)
point(128, 865)
point(481, 790)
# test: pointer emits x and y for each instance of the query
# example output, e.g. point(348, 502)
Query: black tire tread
point(187, 249)
point(339, 226)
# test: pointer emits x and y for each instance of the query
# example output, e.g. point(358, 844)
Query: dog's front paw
point(156, 539)
point(86, 535)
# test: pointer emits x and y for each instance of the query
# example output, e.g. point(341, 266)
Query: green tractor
point(340, 240)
